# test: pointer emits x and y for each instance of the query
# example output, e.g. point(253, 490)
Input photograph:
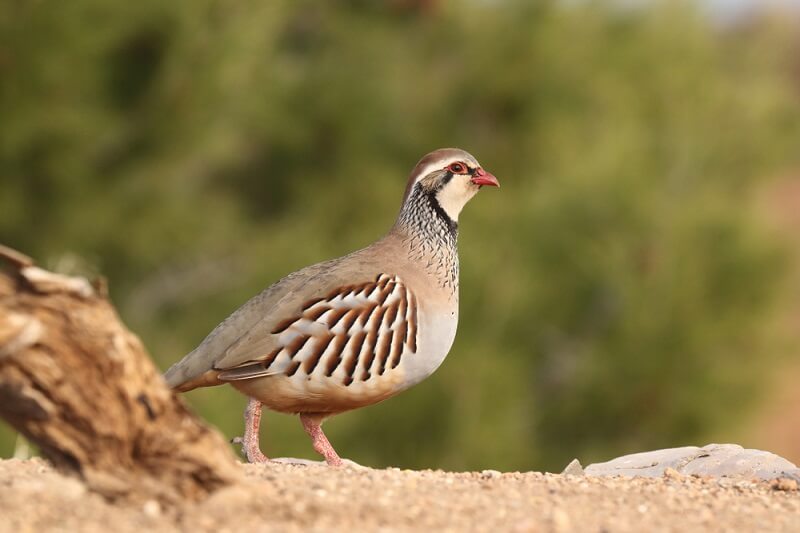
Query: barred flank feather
point(370, 325)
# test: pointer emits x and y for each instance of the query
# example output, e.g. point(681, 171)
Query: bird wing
point(239, 325)
point(367, 325)
point(264, 336)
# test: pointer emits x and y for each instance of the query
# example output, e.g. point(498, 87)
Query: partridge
point(351, 331)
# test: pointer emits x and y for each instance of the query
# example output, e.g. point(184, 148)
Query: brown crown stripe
point(319, 348)
point(412, 322)
point(316, 312)
point(384, 346)
point(311, 303)
point(269, 359)
point(369, 353)
point(397, 348)
point(283, 325)
point(296, 345)
point(391, 313)
point(356, 344)
point(336, 315)
point(350, 318)
point(292, 370)
point(335, 358)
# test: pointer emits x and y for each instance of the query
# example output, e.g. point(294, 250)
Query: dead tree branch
point(81, 386)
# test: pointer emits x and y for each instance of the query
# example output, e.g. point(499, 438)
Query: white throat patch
point(455, 195)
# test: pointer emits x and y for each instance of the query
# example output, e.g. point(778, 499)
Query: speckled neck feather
point(431, 236)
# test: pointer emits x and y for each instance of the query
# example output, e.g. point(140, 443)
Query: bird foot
point(313, 426)
point(252, 421)
point(255, 456)
point(250, 450)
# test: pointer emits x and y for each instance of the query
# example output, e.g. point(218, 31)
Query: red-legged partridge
point(355, 330)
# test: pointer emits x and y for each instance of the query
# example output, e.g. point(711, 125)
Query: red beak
point(482, 177)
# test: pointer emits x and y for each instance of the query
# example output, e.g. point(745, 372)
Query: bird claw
point(253, 456)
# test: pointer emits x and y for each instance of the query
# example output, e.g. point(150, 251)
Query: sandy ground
point(33, 497)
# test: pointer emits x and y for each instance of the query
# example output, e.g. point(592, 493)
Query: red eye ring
point(457, 168)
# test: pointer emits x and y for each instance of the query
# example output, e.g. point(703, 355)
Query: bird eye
point(456, 168)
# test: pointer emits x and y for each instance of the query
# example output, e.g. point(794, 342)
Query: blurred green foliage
point(618, 292)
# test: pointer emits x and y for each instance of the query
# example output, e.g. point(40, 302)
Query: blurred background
point(634, 285)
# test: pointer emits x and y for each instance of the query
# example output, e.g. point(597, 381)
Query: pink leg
point(312, 424)
point(252, 421)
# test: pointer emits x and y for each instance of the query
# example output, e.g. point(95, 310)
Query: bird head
point(450, 177)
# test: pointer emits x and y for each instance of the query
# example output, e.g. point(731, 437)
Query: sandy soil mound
point(33, 497)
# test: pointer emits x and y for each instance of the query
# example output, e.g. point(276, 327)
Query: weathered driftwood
point(80, 385)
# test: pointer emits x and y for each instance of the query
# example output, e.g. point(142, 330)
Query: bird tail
point(186, 375)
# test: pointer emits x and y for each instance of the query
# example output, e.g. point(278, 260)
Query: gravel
point(279, 497)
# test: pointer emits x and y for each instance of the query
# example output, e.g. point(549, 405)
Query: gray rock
point(792, 474)
point(715, 460)
point(574, 468)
